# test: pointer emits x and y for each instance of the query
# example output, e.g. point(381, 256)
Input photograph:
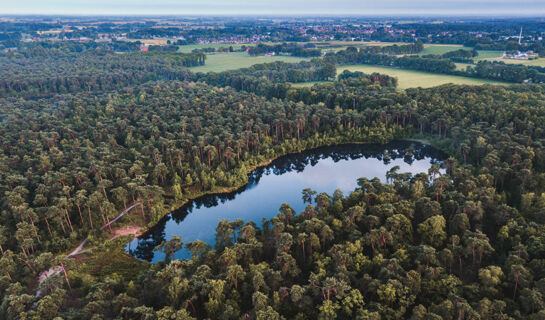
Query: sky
point(275, 7)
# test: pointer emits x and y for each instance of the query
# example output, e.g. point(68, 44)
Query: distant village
point(161, 32)
point(520, 55)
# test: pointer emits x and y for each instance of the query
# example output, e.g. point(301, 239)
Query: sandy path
point(126, 231)
point(120, 215)
point(79, 249)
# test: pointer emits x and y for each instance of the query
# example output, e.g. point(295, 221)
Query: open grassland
point(412, 79)
point(335, 46)
point(488, 54)
point(235, 60)
point(491, 55)
point(440, 48)
point(537, 62)
point(218, 62)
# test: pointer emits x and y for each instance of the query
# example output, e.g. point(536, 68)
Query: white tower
point(520, 36)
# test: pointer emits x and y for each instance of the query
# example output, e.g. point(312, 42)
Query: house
point(519, 55)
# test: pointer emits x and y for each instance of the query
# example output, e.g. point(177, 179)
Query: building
point(519, 55)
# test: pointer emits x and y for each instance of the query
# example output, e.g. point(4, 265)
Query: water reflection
point(323, 169)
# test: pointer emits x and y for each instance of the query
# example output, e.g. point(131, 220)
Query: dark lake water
point(323, 169)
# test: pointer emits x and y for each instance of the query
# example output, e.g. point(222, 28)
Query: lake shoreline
point(318, 152)
point(264, 163)
point(123, 240)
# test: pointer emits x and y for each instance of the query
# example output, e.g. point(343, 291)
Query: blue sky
point(276, 7)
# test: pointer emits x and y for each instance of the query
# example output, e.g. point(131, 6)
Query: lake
point(323, 169)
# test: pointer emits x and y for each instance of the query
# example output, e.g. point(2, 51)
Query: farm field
point(219, 62)
point(440, 48)
point(412, 79)
point(537, 62)
point(488, 54)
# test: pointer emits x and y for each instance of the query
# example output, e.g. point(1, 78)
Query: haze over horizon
point(279, 7)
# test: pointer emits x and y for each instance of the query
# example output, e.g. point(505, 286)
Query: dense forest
point(465, 241)
point(43, 70)
point(51, 48)
point(96, 71)
point(271, 80)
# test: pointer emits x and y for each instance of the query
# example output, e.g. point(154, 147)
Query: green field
point(235, 60)
point(411, 79)
point(488, 54)
point(440, 49)
point(537, 62)
point(218, 62)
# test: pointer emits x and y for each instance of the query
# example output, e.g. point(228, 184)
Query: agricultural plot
point(440, 48)
point(412, 79)
point(488, 54)
point(536, 62)
point(219, 62)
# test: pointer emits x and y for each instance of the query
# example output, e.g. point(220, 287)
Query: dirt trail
point(120, 215)
point(79, 249)
point(126, 231)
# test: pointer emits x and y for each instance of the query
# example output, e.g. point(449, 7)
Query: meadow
point(488, 54)
point(219, 62)
point(412, 79)
point(536, 62)
point(440, 48)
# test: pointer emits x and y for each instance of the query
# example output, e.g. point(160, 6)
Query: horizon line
point(291, 15)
